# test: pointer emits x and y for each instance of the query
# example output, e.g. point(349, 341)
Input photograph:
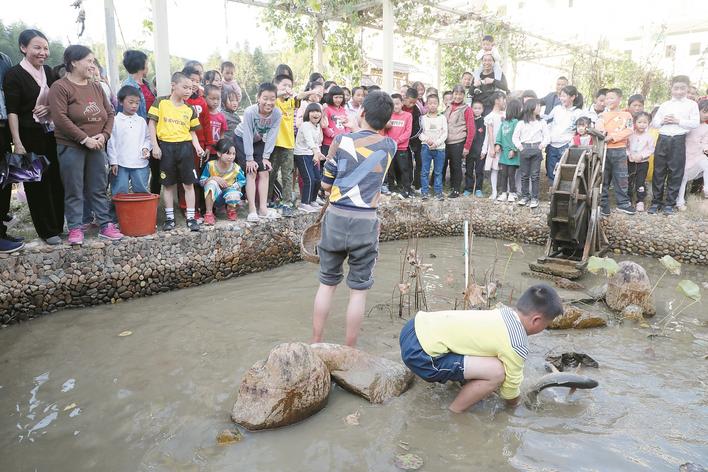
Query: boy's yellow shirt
point(286, 132)
point(174, 123)
point(484, 333)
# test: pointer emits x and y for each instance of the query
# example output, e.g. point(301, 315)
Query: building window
point(670, 50)
point(695, 49)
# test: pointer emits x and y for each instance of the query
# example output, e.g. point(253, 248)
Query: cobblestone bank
point(43, 279)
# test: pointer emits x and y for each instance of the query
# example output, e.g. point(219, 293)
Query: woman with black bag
point(26, 87)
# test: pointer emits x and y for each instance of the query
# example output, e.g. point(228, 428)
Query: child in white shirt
point(129, 147)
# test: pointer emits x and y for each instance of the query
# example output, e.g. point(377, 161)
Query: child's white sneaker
point(493, 196)
point(512, 198)
point(315, 204)
point(502, 197)
point(307, 208)
point(533, 203)
point(253, 218)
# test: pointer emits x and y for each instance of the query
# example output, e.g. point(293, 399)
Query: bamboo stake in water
point(467, 253)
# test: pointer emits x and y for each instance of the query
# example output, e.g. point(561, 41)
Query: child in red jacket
point(399, 129)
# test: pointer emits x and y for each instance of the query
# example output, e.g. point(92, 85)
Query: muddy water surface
point(75, 396)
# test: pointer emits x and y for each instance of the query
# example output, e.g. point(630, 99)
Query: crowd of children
point(478, 131)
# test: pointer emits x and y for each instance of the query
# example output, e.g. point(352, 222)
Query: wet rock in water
point(291, 384)
point(691, 467)
point(372, 377)
point(630, 286)
point(408, 461)
point(571, 360)
point(229, 436)
point(633, 313)
point(574, 317)
point(560, 282)
point(598, 292)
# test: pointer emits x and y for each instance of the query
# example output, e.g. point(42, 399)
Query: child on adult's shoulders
point(484, 349)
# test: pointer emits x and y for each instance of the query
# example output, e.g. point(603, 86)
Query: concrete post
point(162, 46)
point(387, 79)
point(111, 53)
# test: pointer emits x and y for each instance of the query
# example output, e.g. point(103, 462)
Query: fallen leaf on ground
point(70, 407)
point(353, 419)
point(408, 461)
point(125, 333)
point(228, 436)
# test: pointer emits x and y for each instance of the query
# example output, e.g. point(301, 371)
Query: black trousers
point(155, 184)
point(453, 155)
point(507, 178)
point(414, 146)
point(474, 172)
point(46, 197)
point(5, 193)
point(402, 166)
point(637, 181)
point(669, 163)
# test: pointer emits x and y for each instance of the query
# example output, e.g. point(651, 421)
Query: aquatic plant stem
point(657, 282)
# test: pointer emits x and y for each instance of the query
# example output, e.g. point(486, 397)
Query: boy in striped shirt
point(484, 348)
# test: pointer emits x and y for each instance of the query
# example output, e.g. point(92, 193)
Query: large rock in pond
point(291, 384)
point(574, 317)
point(372, 377)
point(630, 286)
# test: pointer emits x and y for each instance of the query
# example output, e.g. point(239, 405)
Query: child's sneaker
point(605, 212)
point(440, 196)
point(8, 247)
point(168, 225)
point(454, 194)
point(681, 207)
point(320, 201)
point(425, 197)
point(192, 225)
point(654, 209)
point(478, 194)
point(668, 210)
point(512, 198)
point(287, 211)
point(76, 237)
point(523, 201)
point(534, 203)
point(198, 216)
point(209, 219)
point(640, 206)
point(502, 197)
point(231, 214)
point(493, 196)
point(307, 208)
point(253, 218)
point(466, 193)
point(316, 205)
point(110, 232)
point(627, 210)
point(385, 190)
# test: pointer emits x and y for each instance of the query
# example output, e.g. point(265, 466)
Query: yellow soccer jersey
point(173, 123)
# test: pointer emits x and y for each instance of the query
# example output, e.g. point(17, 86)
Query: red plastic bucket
point(137, 213)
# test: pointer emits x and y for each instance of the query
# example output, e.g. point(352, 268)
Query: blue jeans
point(617, 173)
point(310, 178)
point(137, 177)
point(438, 159)
point(553, 155)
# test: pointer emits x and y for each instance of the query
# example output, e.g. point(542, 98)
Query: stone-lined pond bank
point(43, 279)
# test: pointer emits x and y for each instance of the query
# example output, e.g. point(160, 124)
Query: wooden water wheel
point(575, 233)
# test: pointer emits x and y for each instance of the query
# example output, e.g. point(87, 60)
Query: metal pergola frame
point(456, 16)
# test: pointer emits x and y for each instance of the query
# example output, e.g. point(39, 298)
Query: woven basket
point(311, 237)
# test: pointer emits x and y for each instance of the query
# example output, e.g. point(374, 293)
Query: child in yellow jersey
point(222, 180)
point(485, 348)
point(172, 124)
point(282, 157)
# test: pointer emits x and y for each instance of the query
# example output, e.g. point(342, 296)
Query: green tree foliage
point(8, 44)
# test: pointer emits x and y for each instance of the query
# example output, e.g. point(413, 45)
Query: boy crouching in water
point(355, 169)
point(486, 348)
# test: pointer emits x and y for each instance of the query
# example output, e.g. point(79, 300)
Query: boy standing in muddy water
point(353, 174)
point(486, 349)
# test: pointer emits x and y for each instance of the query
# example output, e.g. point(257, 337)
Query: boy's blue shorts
point(449, 366)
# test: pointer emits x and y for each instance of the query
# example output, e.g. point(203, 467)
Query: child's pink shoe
point(76, 237)
point(209, 219)
point(231, 214)
point(110, 232)
point(640, 206)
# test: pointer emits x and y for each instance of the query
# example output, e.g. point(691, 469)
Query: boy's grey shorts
point(353, 235)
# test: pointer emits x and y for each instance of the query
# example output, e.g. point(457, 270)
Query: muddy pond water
point(76, 396)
